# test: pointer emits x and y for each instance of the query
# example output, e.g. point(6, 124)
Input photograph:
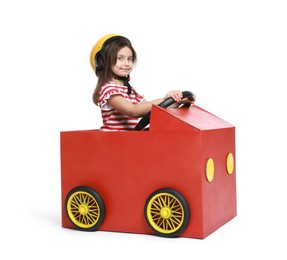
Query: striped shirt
point(112, 119)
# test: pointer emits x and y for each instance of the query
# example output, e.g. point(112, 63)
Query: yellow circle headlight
point(230, 163)
point(209, 171)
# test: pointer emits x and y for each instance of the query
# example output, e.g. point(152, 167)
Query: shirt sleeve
point(107, 91)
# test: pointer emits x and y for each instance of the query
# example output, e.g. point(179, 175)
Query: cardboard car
point(178, 178)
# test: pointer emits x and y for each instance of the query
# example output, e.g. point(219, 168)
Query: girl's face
point(124, 64)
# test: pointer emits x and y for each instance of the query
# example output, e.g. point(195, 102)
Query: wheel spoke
point(83, 209)
point(166, 213)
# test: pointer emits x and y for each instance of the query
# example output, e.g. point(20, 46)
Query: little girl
point(113, 58)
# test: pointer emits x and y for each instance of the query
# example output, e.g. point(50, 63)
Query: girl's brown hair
point(106, 59)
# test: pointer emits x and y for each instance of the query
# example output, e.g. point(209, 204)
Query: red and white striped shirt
point(112, 119)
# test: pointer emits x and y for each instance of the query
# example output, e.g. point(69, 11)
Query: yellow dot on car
point(209, 171)
point(230, 163)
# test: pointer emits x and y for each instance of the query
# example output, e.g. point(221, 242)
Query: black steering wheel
point(166, 103)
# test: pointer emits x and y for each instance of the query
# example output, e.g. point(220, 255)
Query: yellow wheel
point(85, 208)
point(167, 212)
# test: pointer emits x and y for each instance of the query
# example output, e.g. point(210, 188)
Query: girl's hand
point(175, 94)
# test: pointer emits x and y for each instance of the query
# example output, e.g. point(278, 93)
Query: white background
point(232, 54)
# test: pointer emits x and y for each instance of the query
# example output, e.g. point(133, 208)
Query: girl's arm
point(123, 106)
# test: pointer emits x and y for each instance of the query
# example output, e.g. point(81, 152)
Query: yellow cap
point(98, 46)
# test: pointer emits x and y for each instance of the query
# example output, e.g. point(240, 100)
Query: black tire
point(85, 208)
point(167, 212)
